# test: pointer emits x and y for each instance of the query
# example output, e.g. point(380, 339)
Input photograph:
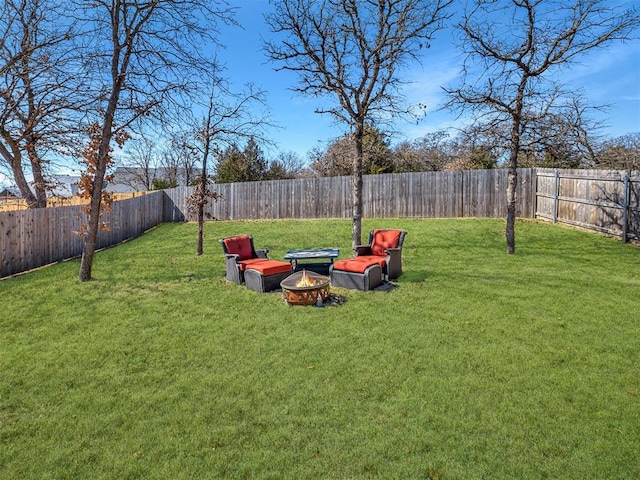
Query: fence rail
point(607, 201)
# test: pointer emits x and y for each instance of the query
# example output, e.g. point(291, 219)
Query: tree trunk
point(91, 239)
point(22, 184)
point(512, 178)
point(512, 183)
point(357, 188)
point(203, 185)
point(14, 159)
point(200, 229)
point(39, 183)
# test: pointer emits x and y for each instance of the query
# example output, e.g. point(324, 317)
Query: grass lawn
point(478, 365)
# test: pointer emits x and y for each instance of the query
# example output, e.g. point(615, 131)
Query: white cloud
point(426, 82)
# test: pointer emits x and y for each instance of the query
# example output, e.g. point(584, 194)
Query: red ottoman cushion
point(358, 264)
point(270, 267)
point(382, 261)
point(251, 262)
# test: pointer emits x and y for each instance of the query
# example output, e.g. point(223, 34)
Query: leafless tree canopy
point(142, 163)
point(512, 45)
point(351, 53)
point(158, 51)
point(39, 97)
point(620, 153)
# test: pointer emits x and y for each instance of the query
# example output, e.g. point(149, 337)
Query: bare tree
point(38, 91)
point(336, 160)
point(514, 44)
point(142, 50)
point(227, 116)
point(620, 152)
point(351, 52)
point(563, 138)
point(169, 171)
point(286, 165)
point(426, 154)
point(187, 159)
point(142, 161)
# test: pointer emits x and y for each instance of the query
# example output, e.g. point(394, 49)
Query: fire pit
point(305, 288)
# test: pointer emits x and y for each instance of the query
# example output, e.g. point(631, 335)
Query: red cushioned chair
point(386, 247)
point(243, 263)
point(380, 260)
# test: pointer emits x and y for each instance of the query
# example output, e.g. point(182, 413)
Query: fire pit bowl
point(305, 288)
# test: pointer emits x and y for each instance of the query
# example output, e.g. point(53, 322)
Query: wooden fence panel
point(33, 238)
point(601, 200)
point(418, 194)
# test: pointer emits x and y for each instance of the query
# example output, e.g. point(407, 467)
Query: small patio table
point(313, 254)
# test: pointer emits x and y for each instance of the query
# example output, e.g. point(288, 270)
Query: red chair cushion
point(270, 267)
point(358, 264)
point(240, 246)
point(250, 262)
point(383, 239)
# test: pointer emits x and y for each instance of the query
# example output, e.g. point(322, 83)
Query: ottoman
point(357, 273)
point(266, 275)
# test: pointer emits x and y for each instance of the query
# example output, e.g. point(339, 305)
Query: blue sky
point(610, 76)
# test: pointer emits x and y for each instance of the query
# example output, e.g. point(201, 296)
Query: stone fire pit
point(305, 288)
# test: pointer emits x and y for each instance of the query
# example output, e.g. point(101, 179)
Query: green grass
point(478, 365)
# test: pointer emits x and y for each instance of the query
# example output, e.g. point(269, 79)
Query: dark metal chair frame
point(232, 263)
point(252, 278)
point(393, 266)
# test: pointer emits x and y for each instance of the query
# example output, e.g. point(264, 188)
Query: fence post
point(533, 194)
point(625, 208)
point(556, 193)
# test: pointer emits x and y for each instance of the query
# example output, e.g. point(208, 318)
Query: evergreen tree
point(248, 165)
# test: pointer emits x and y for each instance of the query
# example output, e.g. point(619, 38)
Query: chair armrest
point(232, 268)
point(231, 256)
point(262, 252)
point(394, 253)
point(394, 262)
point(363, 250)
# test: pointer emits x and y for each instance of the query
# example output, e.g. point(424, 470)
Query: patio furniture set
point(380, 260)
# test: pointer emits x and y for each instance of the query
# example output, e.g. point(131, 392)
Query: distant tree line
point(437, 151)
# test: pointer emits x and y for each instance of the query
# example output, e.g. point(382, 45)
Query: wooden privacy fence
point(475, 193)
point(607, 201)
point(33, 238)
